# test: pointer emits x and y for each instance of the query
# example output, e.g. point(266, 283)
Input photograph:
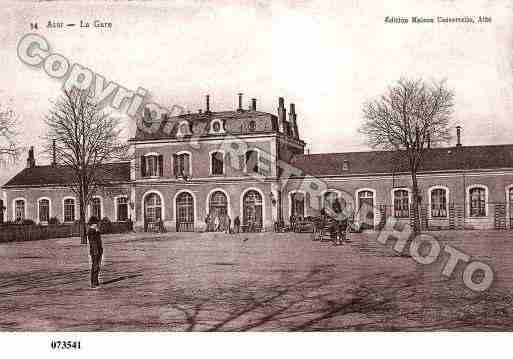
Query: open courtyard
point(244, 282)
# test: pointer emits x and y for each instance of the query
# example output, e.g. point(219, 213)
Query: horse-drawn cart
point(329, 229)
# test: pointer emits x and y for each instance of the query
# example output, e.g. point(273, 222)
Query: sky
point(327, 57)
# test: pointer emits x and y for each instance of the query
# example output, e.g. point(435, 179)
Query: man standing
point(236, 224)
point(96, 252)
point(208, 221)
point(228, 224)
point(2, 209)
point(216, 223)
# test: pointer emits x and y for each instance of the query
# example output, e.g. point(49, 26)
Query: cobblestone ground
point(219, 282)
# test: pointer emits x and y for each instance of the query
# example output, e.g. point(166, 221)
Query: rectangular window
point(96, 208)
point(182, 165)
point(122, 208)
point(401, 204)
point(69, 210)
point(477, 202)
point(44, 210)
point(19, 210)
point(217, 164)
point(438, 203)
point(151, 166)
point(252, 161)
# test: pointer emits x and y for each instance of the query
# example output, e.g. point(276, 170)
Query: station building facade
point(251, 164)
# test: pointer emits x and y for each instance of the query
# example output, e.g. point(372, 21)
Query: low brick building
point(251, 164)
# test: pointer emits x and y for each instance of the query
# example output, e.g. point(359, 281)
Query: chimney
point(31, 161)
point(458, 136)
point(292, 120)
point(208, 104)
point(282, 114)
point(54, 153)
point(240, 103)
point(253, 104)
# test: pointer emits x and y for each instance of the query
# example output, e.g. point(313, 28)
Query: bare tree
point(411, 114)
point(83, 138)
point(9, 148)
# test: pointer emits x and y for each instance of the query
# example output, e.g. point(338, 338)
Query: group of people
point(222, 223)
point(218, 222)
point(295, 221)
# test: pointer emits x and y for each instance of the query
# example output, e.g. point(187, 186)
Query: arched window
point(438, 203)
point(217, 163)
point(401, 203)
point(96, 208)
point(184, 212)
point(252, 211)
point(122, 209)
point(19, 210)
point(332, 205)
point(44, 210)
point(218, 205)
point(477, 199)
point(252, 161)
point(69, 210)
point(153, 208)
point(216, 126)
point(297, 205)
point(184, 129)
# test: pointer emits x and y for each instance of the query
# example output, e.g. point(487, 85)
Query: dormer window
point(345, 165)
point(252, 126)
point(216, 126)
point(184, 129)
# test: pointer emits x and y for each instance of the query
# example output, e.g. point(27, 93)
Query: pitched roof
point(235, 122)
point(60, 175)
point(435, 159)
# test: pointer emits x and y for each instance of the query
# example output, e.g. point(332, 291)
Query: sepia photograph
point(255, 166)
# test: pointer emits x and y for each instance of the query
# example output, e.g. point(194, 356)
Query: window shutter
point(161, 165)
point(143, 167)
point(186, 169)
point(175, 165)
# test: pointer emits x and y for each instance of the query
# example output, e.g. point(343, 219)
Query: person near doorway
point(96, 252)
point(208, 221)
point(251, 222)
point(217, 223)
point(236, 224)
point(228, 223)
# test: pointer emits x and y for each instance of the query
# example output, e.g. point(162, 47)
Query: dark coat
point(95, 242)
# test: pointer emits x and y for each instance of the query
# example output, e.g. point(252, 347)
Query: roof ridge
point(392, 151)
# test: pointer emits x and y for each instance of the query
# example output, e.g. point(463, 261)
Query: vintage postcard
point(262, 166)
